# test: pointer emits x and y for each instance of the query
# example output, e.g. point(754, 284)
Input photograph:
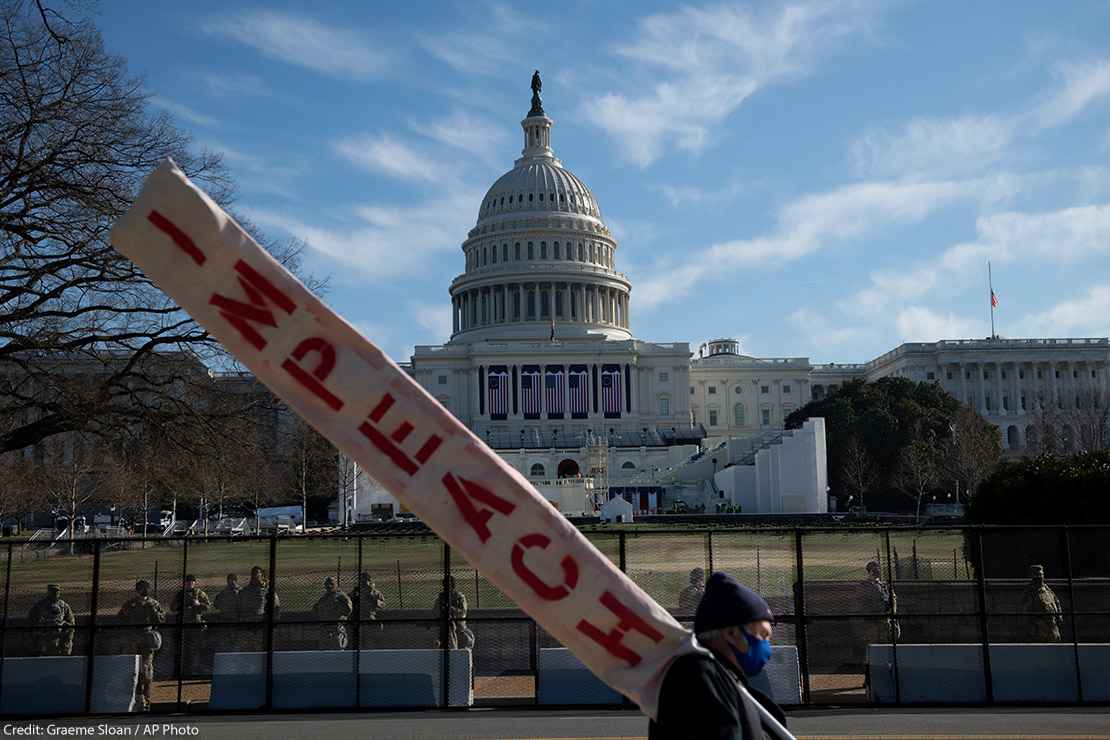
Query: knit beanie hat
point(729, 603)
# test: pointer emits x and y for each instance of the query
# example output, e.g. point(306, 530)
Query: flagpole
point(990, 284)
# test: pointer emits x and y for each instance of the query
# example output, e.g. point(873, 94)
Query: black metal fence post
point(709, 549)
point(533, 659)
point(90, 665)
point(179, 658)
point(271, 593)
point(445, 626)
point(1066, 533)
point(4, 621)
point(362, 597)
point(892, 624)
point(622, 562)
point(984, 626)
point(800, 615)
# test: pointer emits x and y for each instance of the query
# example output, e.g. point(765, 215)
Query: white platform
point(49, 684)
point(1036, 672)
point(326, 678)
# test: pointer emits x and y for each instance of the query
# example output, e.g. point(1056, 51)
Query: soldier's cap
point(1036, 570)
point(329, 581)
point(874, 565)
point(697, 574)
point(729, 603)
point(190, 577)
point(53, 587)
point(142, 585)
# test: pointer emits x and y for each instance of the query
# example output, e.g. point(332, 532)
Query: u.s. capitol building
point(543, 366)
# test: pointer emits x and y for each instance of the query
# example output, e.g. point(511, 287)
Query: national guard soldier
point(191, 605)
point(374, 600)
point(884, 598)
point(690, 597)
point(144, 611)
point(333, 609)
point(1040, 602)
point(252, 599)
point(452, 605)
point(55, 621)
point(227, 601)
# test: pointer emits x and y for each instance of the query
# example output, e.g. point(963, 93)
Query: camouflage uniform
point(191, 606)
point(333, 608)
point(56, 621)
point(251, 607)
point(146, 611)
point(227, 603)
point(1040, 602)
point(690, 597)
point(458, 636)
point(375, 599)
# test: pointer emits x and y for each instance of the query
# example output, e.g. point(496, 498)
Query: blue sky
point(822, 179)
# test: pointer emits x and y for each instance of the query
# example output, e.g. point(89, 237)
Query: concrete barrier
point(49, 685)
point(326, 678)
point(781, 679)
point(564, 679)
point(1037, 672)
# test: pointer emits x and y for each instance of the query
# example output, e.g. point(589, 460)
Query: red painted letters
point(321, 372)
point(391, 447)
point(474, 516)
point(611, 640)
point(180, 238)
point(258, 290)
point(544, 591)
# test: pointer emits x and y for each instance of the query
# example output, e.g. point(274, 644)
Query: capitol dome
point(540, 259)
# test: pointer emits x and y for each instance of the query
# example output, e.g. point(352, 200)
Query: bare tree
point(1090, 421)
point(308, 462)
point(858, 471)
point(972, 451)
point(70, 477)
point(919, 471)
point(76, 140)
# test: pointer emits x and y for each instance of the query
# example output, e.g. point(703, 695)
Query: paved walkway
point(911, 724)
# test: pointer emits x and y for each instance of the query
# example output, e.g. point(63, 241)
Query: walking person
point(332, 609)
point(144, 611)
point(451, 605)
point(699, 697)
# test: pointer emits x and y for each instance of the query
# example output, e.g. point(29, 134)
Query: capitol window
point(766, 417)
point(529, 197)
point(738, 415)
point(558, 254)
point(712, 390)
point(739, 390)
point(712, 417)
point(541, 197)
point(537, 471)
point(531, 251)
point(494, 255)
point(504, 252)
point(786, 389)
point(664, 407)
point(664, 377)
point(543, 250)
point(765, 389)
point(516, 251)
point(581, 252)
point(691, 390)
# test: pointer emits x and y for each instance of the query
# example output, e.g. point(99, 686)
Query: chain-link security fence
point(367, 620)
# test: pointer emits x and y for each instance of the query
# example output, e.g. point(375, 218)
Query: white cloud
point(694, 66)
point(466, 132)
point(493, 49)
point(1088, 315)
point(1083, 84)
point(387, 241)
point(822, 334)
point(259, 174)
point(815, 221)
point(921, 324)
point(435, 319)
point(382, 153)
point(183, 112)
point(934, 146)
point(680, 196)
point(302, 41)
point(237, 83)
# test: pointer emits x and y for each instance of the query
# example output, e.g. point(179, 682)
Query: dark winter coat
point(699, 699)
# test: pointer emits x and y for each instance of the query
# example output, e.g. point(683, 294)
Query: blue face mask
point(759, 652)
